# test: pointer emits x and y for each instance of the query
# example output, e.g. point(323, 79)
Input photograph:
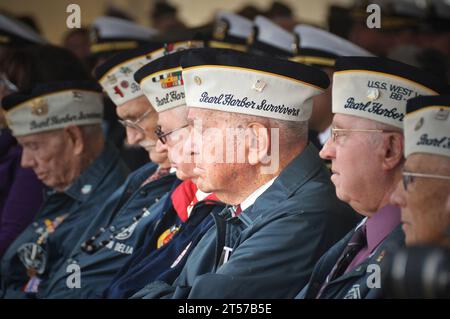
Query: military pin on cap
point(259, 85)
point(442, 114)
point(419, 124)
point(39, 107)
point(197, 80)
point(373, 94)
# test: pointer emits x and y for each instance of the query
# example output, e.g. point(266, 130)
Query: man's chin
point(202, 185)
point(181, 175)
point(341, 196)
point(157, 159)
point(44, 180)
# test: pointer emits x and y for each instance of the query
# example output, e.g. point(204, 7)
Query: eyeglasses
point(135, 124)
point(409, 177)
point(163, 136)
point(336, 131)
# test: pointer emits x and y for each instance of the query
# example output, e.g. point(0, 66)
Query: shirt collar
point(246, 203)
point(298, 172)
point(201, 195)
point(381, 224)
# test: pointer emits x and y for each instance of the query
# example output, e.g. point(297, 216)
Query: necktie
point(237, 211)
point(355, 244)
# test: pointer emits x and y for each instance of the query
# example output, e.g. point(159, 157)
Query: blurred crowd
point(342, 191)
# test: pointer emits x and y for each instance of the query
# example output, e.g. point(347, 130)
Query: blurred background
point(50, 15)
point(416, 32)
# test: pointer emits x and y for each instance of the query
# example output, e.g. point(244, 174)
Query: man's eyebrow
point(334, 124)
point(124, 115)
point(128, 116)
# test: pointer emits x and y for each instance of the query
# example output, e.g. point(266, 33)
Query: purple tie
point(355, 244)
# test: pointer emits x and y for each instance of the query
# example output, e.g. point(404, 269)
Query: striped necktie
point(354, 245)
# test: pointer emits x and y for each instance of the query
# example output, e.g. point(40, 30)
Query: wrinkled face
point(178, 142)
point(424, 214)
point(51, 157)
point(356, 163)
point(209, 145)
point(143, 132)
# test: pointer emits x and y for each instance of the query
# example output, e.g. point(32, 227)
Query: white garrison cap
point(116, 28)
point(427, 125)
point(162, 82)
point(116, 75)
point(51, 107)
point(231, 31)
point(238, 26)
point(378, 89)
point(317, 46)
point(238, 82)
point(271, 34)
point(110, 33)
point(14, 31)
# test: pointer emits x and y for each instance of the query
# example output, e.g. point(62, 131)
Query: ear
point(258, 137)
point(75, 137)
point(393, 154)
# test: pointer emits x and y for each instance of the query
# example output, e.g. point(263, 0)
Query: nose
point(398, 197)
point(134, 136)
point(27, 160)
point(188, 147)
point(328, 151)
point(195, 140)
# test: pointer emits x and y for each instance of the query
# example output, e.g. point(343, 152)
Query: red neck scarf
point(185, 196)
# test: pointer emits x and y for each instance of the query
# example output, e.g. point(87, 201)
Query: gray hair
point(94, 139)
point(92, 130)
point(291, 132)
point(377, 139)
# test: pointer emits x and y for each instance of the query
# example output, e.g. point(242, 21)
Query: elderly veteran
point(58, 126)
point(422, 196)
point(188, 210)
point(366, 150)
point(109, 36)
point(320, 48)
point(20, 70)
point(285, 213)
point(121, 225)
